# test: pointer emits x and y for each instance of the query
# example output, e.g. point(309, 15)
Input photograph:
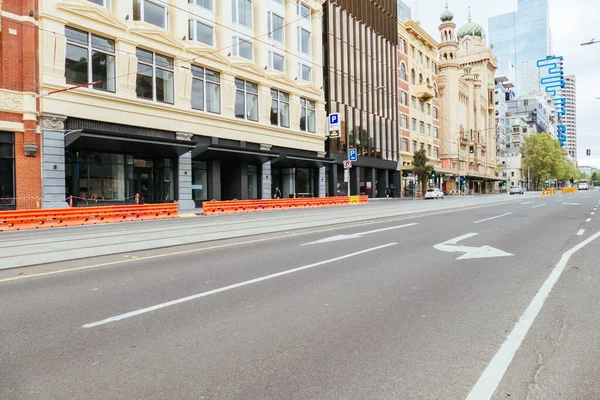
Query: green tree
point(421, 168)
point(544, 159)
point(595, 178)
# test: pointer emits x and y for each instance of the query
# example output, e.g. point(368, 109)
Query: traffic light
point(588, 152)
point(432, 174)
point(471, 149)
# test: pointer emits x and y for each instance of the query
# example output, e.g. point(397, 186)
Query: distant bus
point(583, 184)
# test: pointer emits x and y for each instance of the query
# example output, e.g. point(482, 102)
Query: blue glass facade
point(523, 35)
point(404, 12)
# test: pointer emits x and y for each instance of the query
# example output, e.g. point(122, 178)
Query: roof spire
point(446, 4)
point(469, 13)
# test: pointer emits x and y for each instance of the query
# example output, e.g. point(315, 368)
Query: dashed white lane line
point(230, 287)
point(491, 218)
point(593, 213)
point(581, 232)
point(588, 220)
point(527, 202)
point(539, 205)
point(488, 382)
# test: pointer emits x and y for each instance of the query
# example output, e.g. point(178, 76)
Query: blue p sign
point(333, 119)
point(352, 155)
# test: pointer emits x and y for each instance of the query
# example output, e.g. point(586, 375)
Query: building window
point(436, 152)
point(89, 58)
point(103, 3)
point(428, 106)
point(404, 98)
point(428, 130)
point(420, 78)
point(206, 89)
point(241, 11)
point(151, 11)
point(7, 171)
point(280, 108)
point(304, 10)
point(413, 102)
point(435, 111)
point(208, 4)
point(421, 106)
point(421, 127)
point(420, 58)
point(428, 150)
point(402, 46)
point(435, 132)
point(414, 146)
point(305, 72)
point(404, 144)
point(276, 61)
point(154, 77)
point(304, 41)
point(402, 72)
point(434, 68)
point(404, 122)
point(246, 100)
point(276, 30)
point(413, 125)
point(308, 117)
point(243, 48)
point(202, 32)
point(412, 51)
point(412, 76)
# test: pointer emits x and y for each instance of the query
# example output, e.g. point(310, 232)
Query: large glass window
point(305, 72)
point(154, 77)
point(404, 122)
point(253, 182)
point(404, 144)
point(435, 132)
point(412, 77)
point(103, 3)
point(246, 100)
point(435, 112)
point(308, 117)
point(276, 61)
point(404, 98)
point(276, 30)
point(421, 127)
point(304, 42)
point(242, 12)
point(208, 4)
point(280, 108)
point(303, 10)
point(89, 58)
point(151, 11)
point(202, 32)
point(402, 71)
point(243, 48)
point(7, 171)
point(413, 126)
point(199, 181)
point(206, 89)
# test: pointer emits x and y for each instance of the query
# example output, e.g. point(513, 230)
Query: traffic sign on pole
point(335, 125)
point(352, 155)
point(347, 164)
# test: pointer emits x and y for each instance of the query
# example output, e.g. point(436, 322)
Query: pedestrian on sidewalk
point(387, 192)
point(277, 193)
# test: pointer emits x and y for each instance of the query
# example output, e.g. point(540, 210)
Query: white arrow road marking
point(539, 205)
point(357, 235)
point(449, 246)
point(588, 220)
point(571, 204)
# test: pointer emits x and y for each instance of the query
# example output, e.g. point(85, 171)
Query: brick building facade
point(20, 169)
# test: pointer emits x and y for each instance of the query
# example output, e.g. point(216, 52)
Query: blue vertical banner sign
point(554, 82)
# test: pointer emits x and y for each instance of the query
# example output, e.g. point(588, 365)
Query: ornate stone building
point(467, 121)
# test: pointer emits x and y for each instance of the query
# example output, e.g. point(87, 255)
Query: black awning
point(116, 142)
point(291, 161)
point(233, 154)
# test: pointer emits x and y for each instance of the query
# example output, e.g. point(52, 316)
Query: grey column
point(214, 180)
point(185, 182)
point(382, 181)
point(266, 180)
point(243, 182)
point(53, 161)
point(333, 181)
point(322, 182)
point(354, 181)
point(371, 176)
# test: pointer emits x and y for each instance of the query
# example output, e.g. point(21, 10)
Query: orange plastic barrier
point(51, 218)
point(242, 206)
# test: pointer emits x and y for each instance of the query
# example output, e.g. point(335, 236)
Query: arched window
point(412, 76)
point(428, 82)
point(420, 78)
point(402, 72)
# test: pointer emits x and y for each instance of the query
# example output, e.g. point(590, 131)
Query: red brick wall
point(19, 72)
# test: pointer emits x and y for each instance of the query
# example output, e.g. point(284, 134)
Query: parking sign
point(352, 156)
point(335, 125)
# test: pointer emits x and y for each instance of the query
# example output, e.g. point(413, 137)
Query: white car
point(434, 193)
point(516, 190)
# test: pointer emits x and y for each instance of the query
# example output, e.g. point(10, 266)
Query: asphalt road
point(488, 302)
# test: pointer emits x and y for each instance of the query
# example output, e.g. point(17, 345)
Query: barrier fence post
point(71, 201)
point(37, 203)
point(137, 198)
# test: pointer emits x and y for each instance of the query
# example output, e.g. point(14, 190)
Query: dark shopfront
point(112, 163)
point(7, 171)
point(227, 170)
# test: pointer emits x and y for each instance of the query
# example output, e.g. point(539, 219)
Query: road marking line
point(588, 220)
point(491, 377)
point(489, 219)
point(527, 202)
point(581, 232)
point(539, 205)
point(357, 235)
point(593, 213)
point(230, 287)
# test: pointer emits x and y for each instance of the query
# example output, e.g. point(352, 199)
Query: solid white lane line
point(527, 202)
point(581, 232)
point(588, 220)
point(230, 287)
point(491, 377)
point(539, 205)
point(489, 219)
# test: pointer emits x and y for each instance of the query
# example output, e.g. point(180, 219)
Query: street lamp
point(351, 103)
point(590, 42)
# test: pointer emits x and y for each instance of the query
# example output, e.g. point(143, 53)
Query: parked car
point(583, 186)
point(434, 193)
point(516, 190)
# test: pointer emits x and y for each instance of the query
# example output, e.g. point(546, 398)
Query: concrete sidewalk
point(26, 248)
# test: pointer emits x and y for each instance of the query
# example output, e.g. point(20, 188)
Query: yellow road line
point(129, 260)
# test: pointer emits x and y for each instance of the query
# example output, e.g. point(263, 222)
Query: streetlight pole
point(590, 42)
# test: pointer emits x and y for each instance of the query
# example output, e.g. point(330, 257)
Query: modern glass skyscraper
point(520, 36)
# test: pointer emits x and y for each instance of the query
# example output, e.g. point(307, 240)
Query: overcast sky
point(572, 22)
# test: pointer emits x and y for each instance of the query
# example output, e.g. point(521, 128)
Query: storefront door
point(143, 183)
point(7, 171)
